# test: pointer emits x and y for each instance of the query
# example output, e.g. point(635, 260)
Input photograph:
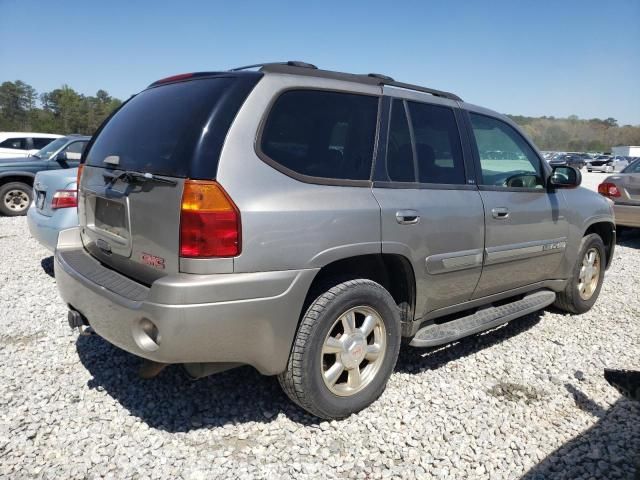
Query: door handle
point(407, 217)
point(500, 213)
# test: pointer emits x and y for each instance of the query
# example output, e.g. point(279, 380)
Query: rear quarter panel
point(286, 223)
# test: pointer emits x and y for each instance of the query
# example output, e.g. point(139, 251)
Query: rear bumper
point(245, 318)
point(627, 215)
point(45, 229)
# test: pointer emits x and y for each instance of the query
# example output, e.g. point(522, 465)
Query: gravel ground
point(525, 400)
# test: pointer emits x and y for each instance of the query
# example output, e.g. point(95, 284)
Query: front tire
point(344, 351)
point(586, 279)
point(15, 198)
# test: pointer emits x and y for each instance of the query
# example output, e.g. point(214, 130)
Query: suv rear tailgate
point(131, 188)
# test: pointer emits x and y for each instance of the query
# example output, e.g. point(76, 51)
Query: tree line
point(65, 111)
point(62, 110)
point(577, 135)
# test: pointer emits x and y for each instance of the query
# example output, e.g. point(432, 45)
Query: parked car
point(55, 205)
point(252, 218)
point(17, 174)
point(597, 163)
point(22, 144)
point(567, 160)
point(614, 164)
point(624, 189)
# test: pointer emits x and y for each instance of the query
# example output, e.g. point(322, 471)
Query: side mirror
point(565, 177)
point(62, 157)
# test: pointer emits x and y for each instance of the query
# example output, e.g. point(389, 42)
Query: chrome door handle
point(407, 217)
point(500, 213)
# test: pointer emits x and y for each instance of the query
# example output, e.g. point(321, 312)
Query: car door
point(13, 147)
point(429, 213)
point(526, 230)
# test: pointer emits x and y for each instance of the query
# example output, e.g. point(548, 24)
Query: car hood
point(20, 162)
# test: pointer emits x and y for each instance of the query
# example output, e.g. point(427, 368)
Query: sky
point(544, 57)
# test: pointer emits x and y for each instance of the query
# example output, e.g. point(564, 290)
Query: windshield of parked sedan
point(47, 152)
point(632, 167)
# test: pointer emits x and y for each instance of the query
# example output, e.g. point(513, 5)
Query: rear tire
point(344, 351)
point(583, 288)
point(15, 198)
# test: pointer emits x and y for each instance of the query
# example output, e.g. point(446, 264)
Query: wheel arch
point(393, 271)
point(606, 230)
point(23, 177)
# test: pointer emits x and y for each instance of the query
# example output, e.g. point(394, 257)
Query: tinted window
point(506, 158)
point(41, 142)
point(438, 148)
point(19, 143)
point(176, 129)
point(322, 134)
point(400, 166)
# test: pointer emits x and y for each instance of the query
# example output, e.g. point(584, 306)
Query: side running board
point(434, 335)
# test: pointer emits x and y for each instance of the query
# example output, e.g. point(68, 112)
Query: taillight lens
point(80, 168)
point(608, 189)
point(64, 199)
point(209, 221)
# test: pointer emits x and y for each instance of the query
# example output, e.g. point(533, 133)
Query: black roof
point(308, 69)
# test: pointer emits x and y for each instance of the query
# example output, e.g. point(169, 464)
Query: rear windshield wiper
point(131, 177)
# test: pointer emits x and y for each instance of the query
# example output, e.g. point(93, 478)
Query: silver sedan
point(624, 189)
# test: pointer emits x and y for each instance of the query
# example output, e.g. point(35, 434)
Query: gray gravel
point(526, 400)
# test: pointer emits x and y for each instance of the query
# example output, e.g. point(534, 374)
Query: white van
point(23, 144)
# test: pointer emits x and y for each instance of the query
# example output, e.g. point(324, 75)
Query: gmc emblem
point(152, 260)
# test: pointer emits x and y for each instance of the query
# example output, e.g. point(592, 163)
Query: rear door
point(172, 131)
point(13, 147)
point(526, 230)
point(431, 209)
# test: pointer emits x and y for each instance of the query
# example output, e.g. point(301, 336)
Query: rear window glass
point(322, 134)
point(176, 129)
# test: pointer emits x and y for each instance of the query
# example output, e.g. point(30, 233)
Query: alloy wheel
point(353, 351)
point(589, 274)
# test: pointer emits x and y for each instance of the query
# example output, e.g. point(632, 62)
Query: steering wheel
point(521, 179)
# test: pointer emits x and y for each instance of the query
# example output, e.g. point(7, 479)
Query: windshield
point(47, 152)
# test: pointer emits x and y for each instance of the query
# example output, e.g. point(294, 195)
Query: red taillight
point(80, 168)
point(608, 189)
point(173, 78)
point(209, 221)
point(64, 199)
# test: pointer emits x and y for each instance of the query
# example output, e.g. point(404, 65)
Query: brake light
point(608, 189)
point(64, 199)
point(209, 221)
point(172, 78)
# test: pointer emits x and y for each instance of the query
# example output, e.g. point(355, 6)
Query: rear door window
point(424, 145)
point(175, 129)
point(41, 142)
point(438, 148)
point(400, 165)
point(321, 134)
point(17, 143)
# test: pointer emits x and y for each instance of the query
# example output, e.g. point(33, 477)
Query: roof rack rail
point(290, 63)
point(308, 69)
point(386, 78)
point(432, 91)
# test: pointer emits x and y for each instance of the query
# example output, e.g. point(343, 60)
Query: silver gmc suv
point(307, 222)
